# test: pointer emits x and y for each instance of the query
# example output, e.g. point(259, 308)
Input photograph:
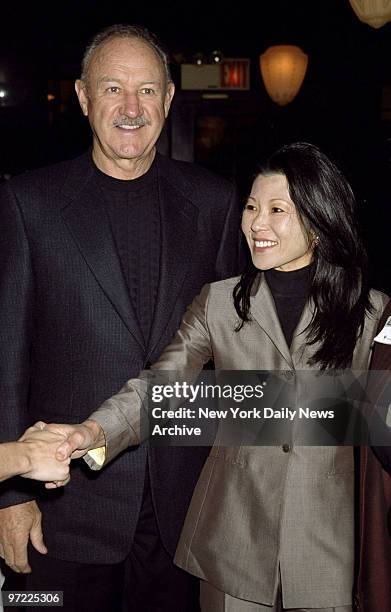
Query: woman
point(273, 526)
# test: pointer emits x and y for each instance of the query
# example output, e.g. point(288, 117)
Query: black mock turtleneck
point(133, 210)
point(290, 291)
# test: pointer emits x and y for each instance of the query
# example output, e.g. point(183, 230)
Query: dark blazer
point(373, 588)
point(69, 336)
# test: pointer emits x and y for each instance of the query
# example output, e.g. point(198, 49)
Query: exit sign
point(235, 74)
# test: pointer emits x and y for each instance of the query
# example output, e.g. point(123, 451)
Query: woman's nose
point(259, 222)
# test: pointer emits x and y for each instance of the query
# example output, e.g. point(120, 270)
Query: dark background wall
point(344, 105)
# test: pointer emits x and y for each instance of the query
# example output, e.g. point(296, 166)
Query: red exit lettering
point(234, 74)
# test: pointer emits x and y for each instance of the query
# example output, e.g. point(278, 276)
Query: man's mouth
point(128, 123)
point(129, 127)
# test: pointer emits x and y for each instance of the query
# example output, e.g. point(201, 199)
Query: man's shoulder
point(49, 178)
point(193, 180)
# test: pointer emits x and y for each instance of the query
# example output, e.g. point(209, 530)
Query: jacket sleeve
point(16, 328)
point(379, 393)
point(124, 417)
point(230, 258)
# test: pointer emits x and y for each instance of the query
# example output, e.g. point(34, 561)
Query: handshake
point(44, 451)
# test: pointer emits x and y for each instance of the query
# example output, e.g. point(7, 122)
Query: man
point(99, 258)
point(373, 585)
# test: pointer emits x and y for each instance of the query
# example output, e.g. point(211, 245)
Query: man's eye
point(113, 89)
point(147, 90)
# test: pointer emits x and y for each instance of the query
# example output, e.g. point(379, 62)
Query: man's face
point(126, 98)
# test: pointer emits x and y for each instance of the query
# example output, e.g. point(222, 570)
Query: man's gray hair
point(124, 30)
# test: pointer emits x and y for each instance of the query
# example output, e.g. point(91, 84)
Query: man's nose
point(131, 105)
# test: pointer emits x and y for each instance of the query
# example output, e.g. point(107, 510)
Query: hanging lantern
point(373, 12)
point(283, 68)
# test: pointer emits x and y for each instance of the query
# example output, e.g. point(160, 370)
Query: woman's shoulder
point(224, 286)
point(217, 297)
point(379, 301)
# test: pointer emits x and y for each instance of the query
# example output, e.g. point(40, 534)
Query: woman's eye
point(276, 209)
point(249, 206)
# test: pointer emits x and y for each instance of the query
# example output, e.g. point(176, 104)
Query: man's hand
point(38, 449)
point(17, 525)
point(79, 438)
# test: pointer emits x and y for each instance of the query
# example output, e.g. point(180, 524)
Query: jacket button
point(286, 448)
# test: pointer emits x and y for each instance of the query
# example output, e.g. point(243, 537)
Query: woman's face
point(274, 232)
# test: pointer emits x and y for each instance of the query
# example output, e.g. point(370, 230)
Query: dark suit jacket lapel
point(86, 219)
point(299, 344)
point(178, 230)
point(264, 313)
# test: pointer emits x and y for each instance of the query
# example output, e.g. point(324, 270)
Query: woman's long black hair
point(325, 203)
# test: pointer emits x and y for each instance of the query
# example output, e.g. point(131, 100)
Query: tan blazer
point(256, 510)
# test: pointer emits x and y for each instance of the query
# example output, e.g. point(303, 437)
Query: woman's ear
point(314, 238)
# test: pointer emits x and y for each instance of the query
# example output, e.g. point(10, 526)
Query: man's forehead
point(125, 50)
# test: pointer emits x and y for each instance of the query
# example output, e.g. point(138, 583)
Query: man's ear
point(80, 87)
point(168, 97)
